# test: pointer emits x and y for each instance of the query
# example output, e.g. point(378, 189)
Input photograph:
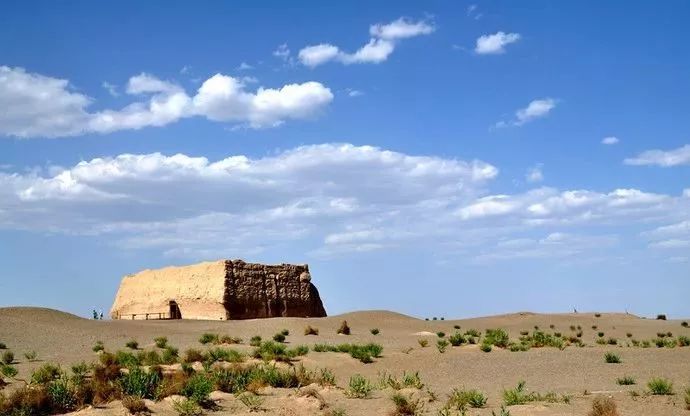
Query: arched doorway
point(174, 311)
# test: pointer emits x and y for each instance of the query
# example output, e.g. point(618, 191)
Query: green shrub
point(485, 347)
point(30, 355)
point(326, 377)
point(358, 387)
point(660, 386)
point(170, 355)
point(46, 373)
point(298, 351)
point(3, 346)
point(612, 341)
point(227, 339)
point(597, 315)
point(683, 341)
point(198, 388)
point(456, 339)
point(98, 346)
point(684, 324)
point(7, 357)
point(79, 372)
point(625, 381)
point(193, 355)
point(456, 327)
point(517, 396)
point(440, 334)
point(374, 331)
point(126, 359)
point(270, 350)
point(149, 358)
point(209, 338)
point(140, 383)
point(251, 401)
point(62, 395)
point(186, 407)
point(255, 341)
point(462, 399)
point(473, 333)
point(8, 370)
point(344, 328)
point(279, 337)
point(222, 354)
point(161, 342)
point(285, 332)
point(612, 358)
point(661, 317)
point(441, 345)
point(132, 344)
point(310, 330)
point(498, 337)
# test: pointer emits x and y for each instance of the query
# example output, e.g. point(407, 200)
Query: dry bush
point(310, 330)
point(344, 328)
point(311, 392)
point(603, 406)
point(135, 405)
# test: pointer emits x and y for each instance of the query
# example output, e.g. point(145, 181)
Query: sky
point(435, 158)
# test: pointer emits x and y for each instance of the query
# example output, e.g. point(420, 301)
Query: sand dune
point(60, 337)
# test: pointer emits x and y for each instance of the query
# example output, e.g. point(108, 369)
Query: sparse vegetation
point(358, 387)
point(519, 395)
point(661, 317)
point(457, 339)
point(423, 342)
point(30, 355)
point(98, 346)
point(374, 331)
point(161, 342)
point(442, 345)
point(255, 341)
point(485, 347)
point(625, 381)
point(132, 344)
point(603, 406)
point(310, 330)
point(461, 399)
point(660, 386)
point(406, 405)
point(344, 328)
point(687, 398)
point(684, 324)
point(279, 337)
point(7, 357)
point(186, 407)
point(612, 358)
point(134, 405)
point(209, 338)
point(251, 401)
point(3, 346)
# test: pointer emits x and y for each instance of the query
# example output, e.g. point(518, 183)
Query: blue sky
point(437, 158)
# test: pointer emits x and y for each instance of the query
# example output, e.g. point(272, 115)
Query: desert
point(568, 378)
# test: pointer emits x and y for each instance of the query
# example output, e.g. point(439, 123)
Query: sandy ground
point(578, 372)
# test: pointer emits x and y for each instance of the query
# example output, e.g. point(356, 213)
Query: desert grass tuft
point(132, 344)
point(660, 386)
point(161, 342)
point(625, 381)
point(374, 331)
point(134, 405)
point(30, 355)
point(406, 405)
point(7, 357)
point(344, 328)
point(603, 406)
point(423, 342)
point(442, 345)
point(612, 358)
point(358, 387)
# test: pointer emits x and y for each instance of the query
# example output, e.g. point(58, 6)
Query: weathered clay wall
point(198, 290)
point(226, 289)
point(262, 291)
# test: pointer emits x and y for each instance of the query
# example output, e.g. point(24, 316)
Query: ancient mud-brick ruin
point(225, 289)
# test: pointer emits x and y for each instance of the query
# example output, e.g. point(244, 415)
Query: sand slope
point(64, 338)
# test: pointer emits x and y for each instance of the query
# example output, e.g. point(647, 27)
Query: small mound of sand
point(424, 334)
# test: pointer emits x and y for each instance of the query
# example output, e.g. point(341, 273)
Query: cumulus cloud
point(610, 140)
point(384, 38)
point(663, 158)
point(328, 199)
point(535, 109)
point(495, 44)
point(40, 106)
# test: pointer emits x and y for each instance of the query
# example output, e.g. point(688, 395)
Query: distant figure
point(95, 314)
point(575, 309)
point(101, 316)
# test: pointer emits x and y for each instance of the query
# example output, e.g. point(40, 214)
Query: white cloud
point(244, 66)
point(535, 109)
point(610, 140)
point(41, 106)
point(534, 174)
point(378, 49)
point(401, 29)
point(329, 200)
point(354, 93)
point(675, 157)
point(473, 12)
point(112, 89)
point(496, 43)
point(314, 192)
